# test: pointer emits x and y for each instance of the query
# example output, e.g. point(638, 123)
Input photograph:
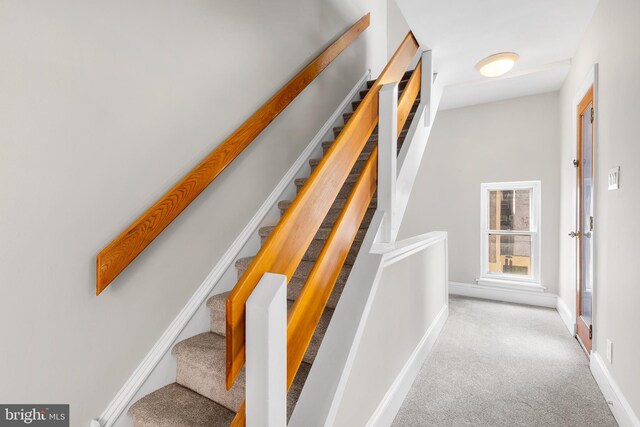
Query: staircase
point(199, 396)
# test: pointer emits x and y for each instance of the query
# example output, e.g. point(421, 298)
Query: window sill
point(510, 284)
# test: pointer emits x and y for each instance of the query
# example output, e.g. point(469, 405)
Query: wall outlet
point(609, 351)
point(614, 178)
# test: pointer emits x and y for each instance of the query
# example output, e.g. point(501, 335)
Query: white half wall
point(410, 299)
point(513, 140)
point(611, 41)
point(104, 106)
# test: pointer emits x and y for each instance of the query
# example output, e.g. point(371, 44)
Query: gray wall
point(611, 40)
point(104, 106)
point(513, 140)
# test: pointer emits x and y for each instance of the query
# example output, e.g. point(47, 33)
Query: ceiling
point(545, 33)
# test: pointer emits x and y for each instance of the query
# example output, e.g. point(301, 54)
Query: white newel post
point(387, 156)
point(266, 350)
point(426, 84)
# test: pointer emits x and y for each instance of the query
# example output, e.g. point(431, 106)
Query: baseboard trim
point(392, 400)
point(618, 404)
point(540, 299)
point(123, 398)
point(567, 316)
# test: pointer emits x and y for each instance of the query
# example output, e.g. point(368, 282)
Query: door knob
point(574, 234)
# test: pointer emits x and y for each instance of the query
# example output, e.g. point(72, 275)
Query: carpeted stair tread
point(177, 406)
point(201, 368)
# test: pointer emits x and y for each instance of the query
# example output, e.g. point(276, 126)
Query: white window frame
point(534, 232)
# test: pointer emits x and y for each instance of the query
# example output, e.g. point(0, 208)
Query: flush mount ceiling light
point(498, 64)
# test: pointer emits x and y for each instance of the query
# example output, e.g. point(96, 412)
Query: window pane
point(510, 254)
point(510, 209)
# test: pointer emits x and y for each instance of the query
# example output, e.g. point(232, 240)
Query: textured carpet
point(500, 364)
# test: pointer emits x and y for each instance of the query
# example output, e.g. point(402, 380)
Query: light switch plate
point(614, 178)
point(609, 351)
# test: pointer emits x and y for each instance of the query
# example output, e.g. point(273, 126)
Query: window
point(510, 240)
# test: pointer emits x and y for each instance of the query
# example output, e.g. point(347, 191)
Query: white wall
point(397, 27)
point(611, 40)
point(104, 106)
point(513, 140)
point(410, 295)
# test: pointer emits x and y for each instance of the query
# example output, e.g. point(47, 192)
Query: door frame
point(591, 79)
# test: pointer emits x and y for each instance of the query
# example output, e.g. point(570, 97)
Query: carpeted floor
point(500, 364)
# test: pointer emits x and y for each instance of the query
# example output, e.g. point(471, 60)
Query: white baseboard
point(619, 405)
point(141, 381)
point(541, 299)
point(392, 400)
point(567, 316)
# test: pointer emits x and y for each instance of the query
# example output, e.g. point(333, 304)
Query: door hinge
point(590, 331)
point(575, 163)
point(592, 114)
point(591, 223)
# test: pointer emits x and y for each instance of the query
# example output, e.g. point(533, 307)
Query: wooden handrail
point(307, 310)
point(116, 256)
point(310, 304)
point(284, 249)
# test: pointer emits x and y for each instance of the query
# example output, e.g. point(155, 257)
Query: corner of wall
point(566, 314)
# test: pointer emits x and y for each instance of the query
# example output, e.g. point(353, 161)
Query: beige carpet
point(500, 364)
